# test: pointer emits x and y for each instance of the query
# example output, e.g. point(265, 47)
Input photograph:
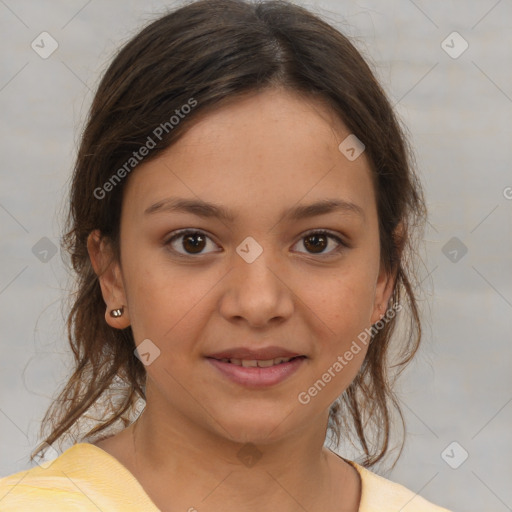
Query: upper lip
point(249, 354)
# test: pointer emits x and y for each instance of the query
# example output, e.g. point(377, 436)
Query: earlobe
point(111, 282)
point(117, 317)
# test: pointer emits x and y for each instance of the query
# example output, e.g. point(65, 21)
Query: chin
point(257, 427)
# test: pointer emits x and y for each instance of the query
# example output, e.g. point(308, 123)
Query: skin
point(257, 156)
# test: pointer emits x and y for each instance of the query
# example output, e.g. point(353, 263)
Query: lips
point(260, 368)
point(255, 376)
point(260, 363)
point(248, 354)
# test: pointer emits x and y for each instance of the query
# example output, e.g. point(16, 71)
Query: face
point(269, 272)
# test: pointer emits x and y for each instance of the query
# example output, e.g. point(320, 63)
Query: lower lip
point(256, 377)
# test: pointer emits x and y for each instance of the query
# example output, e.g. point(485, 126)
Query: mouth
point(257, 373)
point(260, 363)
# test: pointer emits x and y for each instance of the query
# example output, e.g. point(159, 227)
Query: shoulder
point(83, 478)
point(382, 495)
point(42, 486)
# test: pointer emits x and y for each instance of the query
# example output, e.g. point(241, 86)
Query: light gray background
point(458, 111)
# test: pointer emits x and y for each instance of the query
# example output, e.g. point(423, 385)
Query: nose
point(256, 292)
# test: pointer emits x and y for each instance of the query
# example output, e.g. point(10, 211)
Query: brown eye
point(316, 242)
point(194, 243)
point(189, 242)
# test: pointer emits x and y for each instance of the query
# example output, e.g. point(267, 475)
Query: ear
point(108, 270)
point(386, 279)
point(383, 292)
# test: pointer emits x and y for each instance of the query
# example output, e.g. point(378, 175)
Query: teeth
point(253, 363)
point(248, 363)
point(266, 364)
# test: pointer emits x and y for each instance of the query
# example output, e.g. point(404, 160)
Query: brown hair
point(213, 51)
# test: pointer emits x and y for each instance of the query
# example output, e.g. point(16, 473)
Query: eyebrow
point(210, 210)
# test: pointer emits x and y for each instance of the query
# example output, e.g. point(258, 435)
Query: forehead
point(269, 147)
point(270, 122)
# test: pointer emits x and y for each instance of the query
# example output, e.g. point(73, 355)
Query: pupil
point(318, 244)
point(194, 247)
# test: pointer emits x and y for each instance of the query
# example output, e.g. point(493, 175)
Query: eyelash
point(181, 233)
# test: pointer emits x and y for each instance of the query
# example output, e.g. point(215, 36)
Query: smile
point(257, 373)
point(252, 363)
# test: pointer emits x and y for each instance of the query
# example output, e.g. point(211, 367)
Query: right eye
point(190, 241)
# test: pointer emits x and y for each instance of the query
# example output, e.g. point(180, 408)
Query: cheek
point(344, 309)
point(148, 291)
point(345, 301)
point(167, 302)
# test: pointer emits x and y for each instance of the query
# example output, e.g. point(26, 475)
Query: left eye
point(194, 242)
point(315, 242)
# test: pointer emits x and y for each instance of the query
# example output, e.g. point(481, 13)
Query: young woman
point(241, 219)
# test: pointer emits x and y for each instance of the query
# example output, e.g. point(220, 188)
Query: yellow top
point(87, 478)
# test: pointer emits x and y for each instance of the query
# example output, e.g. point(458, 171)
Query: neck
point(182, 463)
